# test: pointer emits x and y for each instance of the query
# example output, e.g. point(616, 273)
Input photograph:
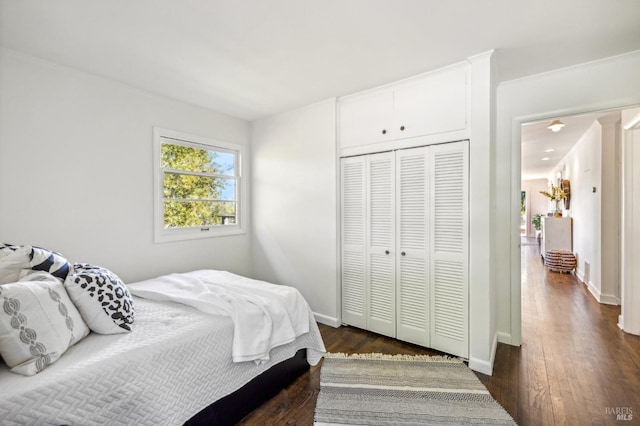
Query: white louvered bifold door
point(381, 244)
point(449, 209)
point(412, 282)
point(354, 240)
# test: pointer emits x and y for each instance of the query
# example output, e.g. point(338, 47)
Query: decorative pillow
point(41, 259)
point(7, 249)
point(38, 323)
point(101, 297)
point(13, 259)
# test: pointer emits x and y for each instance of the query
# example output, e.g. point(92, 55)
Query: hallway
point(575, 366)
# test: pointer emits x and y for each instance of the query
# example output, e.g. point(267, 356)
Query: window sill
point(195, 234)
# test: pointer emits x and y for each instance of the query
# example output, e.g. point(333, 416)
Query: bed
point(175, 367)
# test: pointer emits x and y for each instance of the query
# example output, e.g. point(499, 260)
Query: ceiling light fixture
point(549, 150)
point(545, 159)
point(555, 125)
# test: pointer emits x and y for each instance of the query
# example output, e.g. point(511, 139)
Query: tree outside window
point(198, 187)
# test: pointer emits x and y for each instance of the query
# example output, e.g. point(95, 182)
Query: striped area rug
point(376, 389)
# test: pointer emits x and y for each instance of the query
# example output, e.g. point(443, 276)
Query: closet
point(430, 105)
point(405, 239)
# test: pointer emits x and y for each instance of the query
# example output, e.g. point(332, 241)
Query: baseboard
point(481, 366)
point(593, 290)
point(609, 299)
point(606, 299)
point(504, 337)
point(620, 322)
point(494, 348)
point(327, 320)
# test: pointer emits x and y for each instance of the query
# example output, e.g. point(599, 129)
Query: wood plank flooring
point(575, 366)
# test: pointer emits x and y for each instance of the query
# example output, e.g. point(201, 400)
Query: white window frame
point(162, 234)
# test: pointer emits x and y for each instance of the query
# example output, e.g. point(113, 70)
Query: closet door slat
point(381, 243)
point(353, 221)
point(449, 251)
point(412, 200)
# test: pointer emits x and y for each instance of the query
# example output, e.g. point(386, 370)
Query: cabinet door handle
point(386, 252)
point(403, 254)
point(401, 128)
point(384, 131)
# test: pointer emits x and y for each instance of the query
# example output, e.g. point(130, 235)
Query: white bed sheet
point(264, 315)
point(176, 362)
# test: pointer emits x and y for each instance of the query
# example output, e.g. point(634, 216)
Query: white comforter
point(176, 361)
point(264, 315)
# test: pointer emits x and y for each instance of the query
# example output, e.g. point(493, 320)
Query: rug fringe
point(396, 357)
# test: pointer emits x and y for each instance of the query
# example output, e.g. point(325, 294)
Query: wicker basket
point(560, 260)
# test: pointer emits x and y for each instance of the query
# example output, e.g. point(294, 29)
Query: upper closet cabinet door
point(366, 119)
point(381, 244)
point(449, 247)
point(412, 282)
point(435, 103)
point(354, 240)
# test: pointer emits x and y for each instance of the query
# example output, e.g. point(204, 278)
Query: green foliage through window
point(199, 186)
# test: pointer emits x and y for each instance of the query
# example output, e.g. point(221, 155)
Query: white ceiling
point(538, 142)
point(254, 58)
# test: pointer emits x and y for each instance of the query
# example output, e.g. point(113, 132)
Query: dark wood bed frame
point(234, 407)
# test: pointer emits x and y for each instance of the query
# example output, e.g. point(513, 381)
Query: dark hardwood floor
point(575, 366)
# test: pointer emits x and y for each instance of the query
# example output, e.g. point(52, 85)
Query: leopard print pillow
point(101, 297)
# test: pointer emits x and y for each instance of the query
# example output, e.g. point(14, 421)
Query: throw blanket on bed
point(264, 315)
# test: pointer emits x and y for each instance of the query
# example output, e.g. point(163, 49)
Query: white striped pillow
point(41, 259)
point(13, 259)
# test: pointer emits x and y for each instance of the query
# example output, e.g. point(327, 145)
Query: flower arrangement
point(555, 194)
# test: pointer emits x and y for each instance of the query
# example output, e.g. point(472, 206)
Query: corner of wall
point(504, 338)
point(327, 320)
point(481, 366)
point(485, 366)
point(285, 249)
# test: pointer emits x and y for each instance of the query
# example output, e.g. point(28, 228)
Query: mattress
point(175, 362)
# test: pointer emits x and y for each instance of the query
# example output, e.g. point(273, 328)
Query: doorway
point(586, 154)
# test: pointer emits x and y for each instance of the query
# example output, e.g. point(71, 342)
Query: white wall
point(295, 204)
point(76, 169)
point(609, 83)
point(583, 168)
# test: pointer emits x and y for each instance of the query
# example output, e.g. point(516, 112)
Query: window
point(198, 187)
